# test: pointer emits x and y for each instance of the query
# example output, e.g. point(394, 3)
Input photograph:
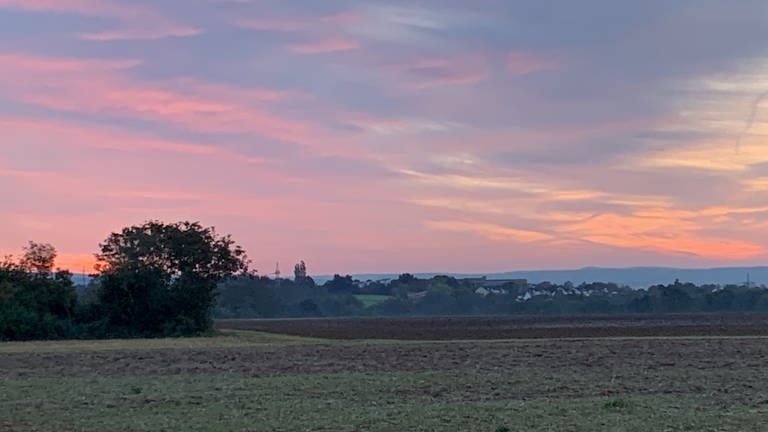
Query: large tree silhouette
point(160, 279)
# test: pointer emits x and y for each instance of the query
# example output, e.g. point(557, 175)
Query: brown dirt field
point(723, 370)
point(513, 327)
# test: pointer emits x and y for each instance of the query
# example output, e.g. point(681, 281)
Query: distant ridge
point(635, 277)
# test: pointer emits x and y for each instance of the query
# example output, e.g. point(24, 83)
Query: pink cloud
point(272, 25)
point(139, 34)
point(432, 72)
point(320, 29)
point(25, 131)
point(107, 196)
point(553, 137)
point(243, 95)
point(23, 63)
point(464, 78)
point(387, 126)
point(101, 88)
point(328, 22)
point(325, 46)
point(134, 21)
point(524, 63)
point(340, 18)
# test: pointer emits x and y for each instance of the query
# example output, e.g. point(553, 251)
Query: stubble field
point(257, 381)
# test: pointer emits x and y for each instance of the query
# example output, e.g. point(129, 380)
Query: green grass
point(369, 300)
point(347, 402)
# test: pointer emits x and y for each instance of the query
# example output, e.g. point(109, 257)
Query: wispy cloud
point(325, 46)
point(490, 231)
point(463, 132)
point(524, 63)
point(661, 234)
point(24, 131)
point(132, 21)
point(432, 72)
point(96, 87)
point(323, 23)
point(397, 127)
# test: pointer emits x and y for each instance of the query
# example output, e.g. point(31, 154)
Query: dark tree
point(674, 298)
point(341, 284)
point(300, 272)
point(309, 308)
point(719, 300)
point(160, 279)
point(248, 297)
point(35, 301)
point(38, 258)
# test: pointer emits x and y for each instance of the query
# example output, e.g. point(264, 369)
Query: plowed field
point(514, 327)
point(249, 381)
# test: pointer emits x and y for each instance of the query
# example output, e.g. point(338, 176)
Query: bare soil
point(723, 371)
point(513, 327)
point(689, 383)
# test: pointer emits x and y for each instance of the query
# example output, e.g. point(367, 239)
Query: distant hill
point(635, 277)
point(80, 279)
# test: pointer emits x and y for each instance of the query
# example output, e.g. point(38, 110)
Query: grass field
point(369, 300)
point(249, 381)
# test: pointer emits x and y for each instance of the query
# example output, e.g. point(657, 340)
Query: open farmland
point(254, 381)
point(513, 327)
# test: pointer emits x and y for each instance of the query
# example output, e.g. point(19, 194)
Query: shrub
point(615, 405)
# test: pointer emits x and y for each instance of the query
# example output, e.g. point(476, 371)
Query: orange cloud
point(662, 233)
point(76, 263)
point(714, 248)
point(489, 230)
point(488, 181)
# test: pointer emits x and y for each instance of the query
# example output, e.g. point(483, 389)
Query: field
point(467, 377)
point(514, 327)
point(369, 300)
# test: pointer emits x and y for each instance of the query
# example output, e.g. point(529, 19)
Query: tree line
point(445, 295)
point(158, 280)
point(152, 280)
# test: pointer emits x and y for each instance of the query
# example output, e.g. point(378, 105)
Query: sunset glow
point(367, 136)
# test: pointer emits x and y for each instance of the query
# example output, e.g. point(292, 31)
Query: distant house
point(487, 291)
point(519, 284)
point(475, 282)
point(416, 295)
point(484, 286)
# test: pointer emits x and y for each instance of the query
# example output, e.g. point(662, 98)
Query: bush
point(34, 302)
point(615, 405)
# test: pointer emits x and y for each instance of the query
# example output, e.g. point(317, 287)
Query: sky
point(391, 136)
